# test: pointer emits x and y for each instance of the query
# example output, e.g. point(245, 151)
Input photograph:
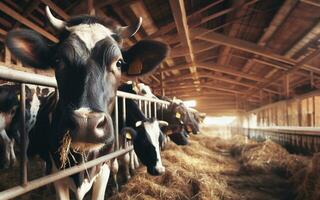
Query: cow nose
point(90, 126)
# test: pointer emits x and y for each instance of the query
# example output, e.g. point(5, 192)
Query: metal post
point(124, 110)
point(116, 113)
point(145, 108)
point(23, 142)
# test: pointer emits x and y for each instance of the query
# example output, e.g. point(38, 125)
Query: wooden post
point(299, 112)
point(313, 111)
point(286, 86)
point(312, 79)
point(261, 97)
point(7, 56)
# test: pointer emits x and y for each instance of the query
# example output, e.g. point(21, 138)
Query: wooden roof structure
point(228, 55)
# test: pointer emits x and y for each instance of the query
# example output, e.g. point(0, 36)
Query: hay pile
point(205, 169)
point(307, 180)
point(192, 172)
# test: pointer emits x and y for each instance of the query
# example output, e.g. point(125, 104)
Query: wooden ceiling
point(228, 55)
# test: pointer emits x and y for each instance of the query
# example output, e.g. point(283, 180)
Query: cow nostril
point(102, 123)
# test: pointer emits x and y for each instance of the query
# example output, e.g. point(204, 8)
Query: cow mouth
point(155, 171)
point(68, 147)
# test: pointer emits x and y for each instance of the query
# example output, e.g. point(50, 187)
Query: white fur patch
point(145, 90)
point(2, 121)
point(153, 130)
point(90, 34)
point(35, 105)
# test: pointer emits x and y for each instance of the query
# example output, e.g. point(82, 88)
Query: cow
point(10, 119)
point(74, 124)
point(145, 134)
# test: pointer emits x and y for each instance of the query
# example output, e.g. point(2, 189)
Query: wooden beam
point(218, 68)
point(167, 28)
point(286, 85)
point(4, 8)
point(180, 18)
point(292, 70)
point(31, 6)
point(311, 2)
point(277, 20)
point(7, 56)
point(245, 46)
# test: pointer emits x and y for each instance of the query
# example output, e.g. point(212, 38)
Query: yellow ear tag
point(178, 115)
point(135, 67)
point(18, 96)
point(128, 136)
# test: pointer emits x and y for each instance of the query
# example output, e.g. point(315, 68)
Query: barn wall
point(301, 111)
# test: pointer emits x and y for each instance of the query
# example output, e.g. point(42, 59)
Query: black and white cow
point(145, 133)
point(10, 119)
point(88, 61)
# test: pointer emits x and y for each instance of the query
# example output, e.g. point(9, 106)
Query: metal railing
point(29, 78)
point(304, 140)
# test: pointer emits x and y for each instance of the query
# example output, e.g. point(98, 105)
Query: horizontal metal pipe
point(26, 77)
point(19, 190)
point(138, 97)
point(311, 131)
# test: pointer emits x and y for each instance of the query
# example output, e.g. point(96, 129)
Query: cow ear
point(144, 57)
point(29, 47)
point(128, 133)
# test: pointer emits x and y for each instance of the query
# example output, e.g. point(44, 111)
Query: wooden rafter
point(4, 8)
point(180, 18)
point(283, 74)
point(249, 47)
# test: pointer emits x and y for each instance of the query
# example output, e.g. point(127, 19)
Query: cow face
point(88, 62)
point(146, 141)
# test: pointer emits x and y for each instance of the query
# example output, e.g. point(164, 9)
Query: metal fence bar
point(23, 138)
point(32, 185)
point(30, 78)
point(138, 97)
point(25, 77)
point(116, 128)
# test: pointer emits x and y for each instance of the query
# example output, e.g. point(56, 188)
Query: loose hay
point(192, 172)
point(307, 180)
point(205, 170)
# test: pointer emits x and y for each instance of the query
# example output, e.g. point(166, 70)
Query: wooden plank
point(7, 56)
point(292, 70)
point(4, 8)
point(167, 28)
point(311, 2)
point(180, 18)
point(245, 46)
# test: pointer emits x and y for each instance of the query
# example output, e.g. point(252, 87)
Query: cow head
point(88, 62)
point(147, 138)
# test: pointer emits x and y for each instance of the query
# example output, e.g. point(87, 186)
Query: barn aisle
point(208, 168)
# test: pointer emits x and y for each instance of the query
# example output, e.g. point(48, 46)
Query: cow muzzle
point(91, 128)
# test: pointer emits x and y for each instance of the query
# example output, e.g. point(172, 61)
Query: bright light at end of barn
point(190, 103)
point(218, 121)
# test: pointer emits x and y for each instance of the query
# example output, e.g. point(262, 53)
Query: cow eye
point(120, 63)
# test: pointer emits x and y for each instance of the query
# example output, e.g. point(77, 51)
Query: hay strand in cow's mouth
point(64, 149)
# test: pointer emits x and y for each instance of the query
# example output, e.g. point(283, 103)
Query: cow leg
point(126, 160)
point(5, 145)
point(114, 171)
point(62, 191)
point(100, 184)
point(132, 166)
point(136, 160)
point(13, 158)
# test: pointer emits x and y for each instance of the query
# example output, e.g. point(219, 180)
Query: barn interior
point(251, 65)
